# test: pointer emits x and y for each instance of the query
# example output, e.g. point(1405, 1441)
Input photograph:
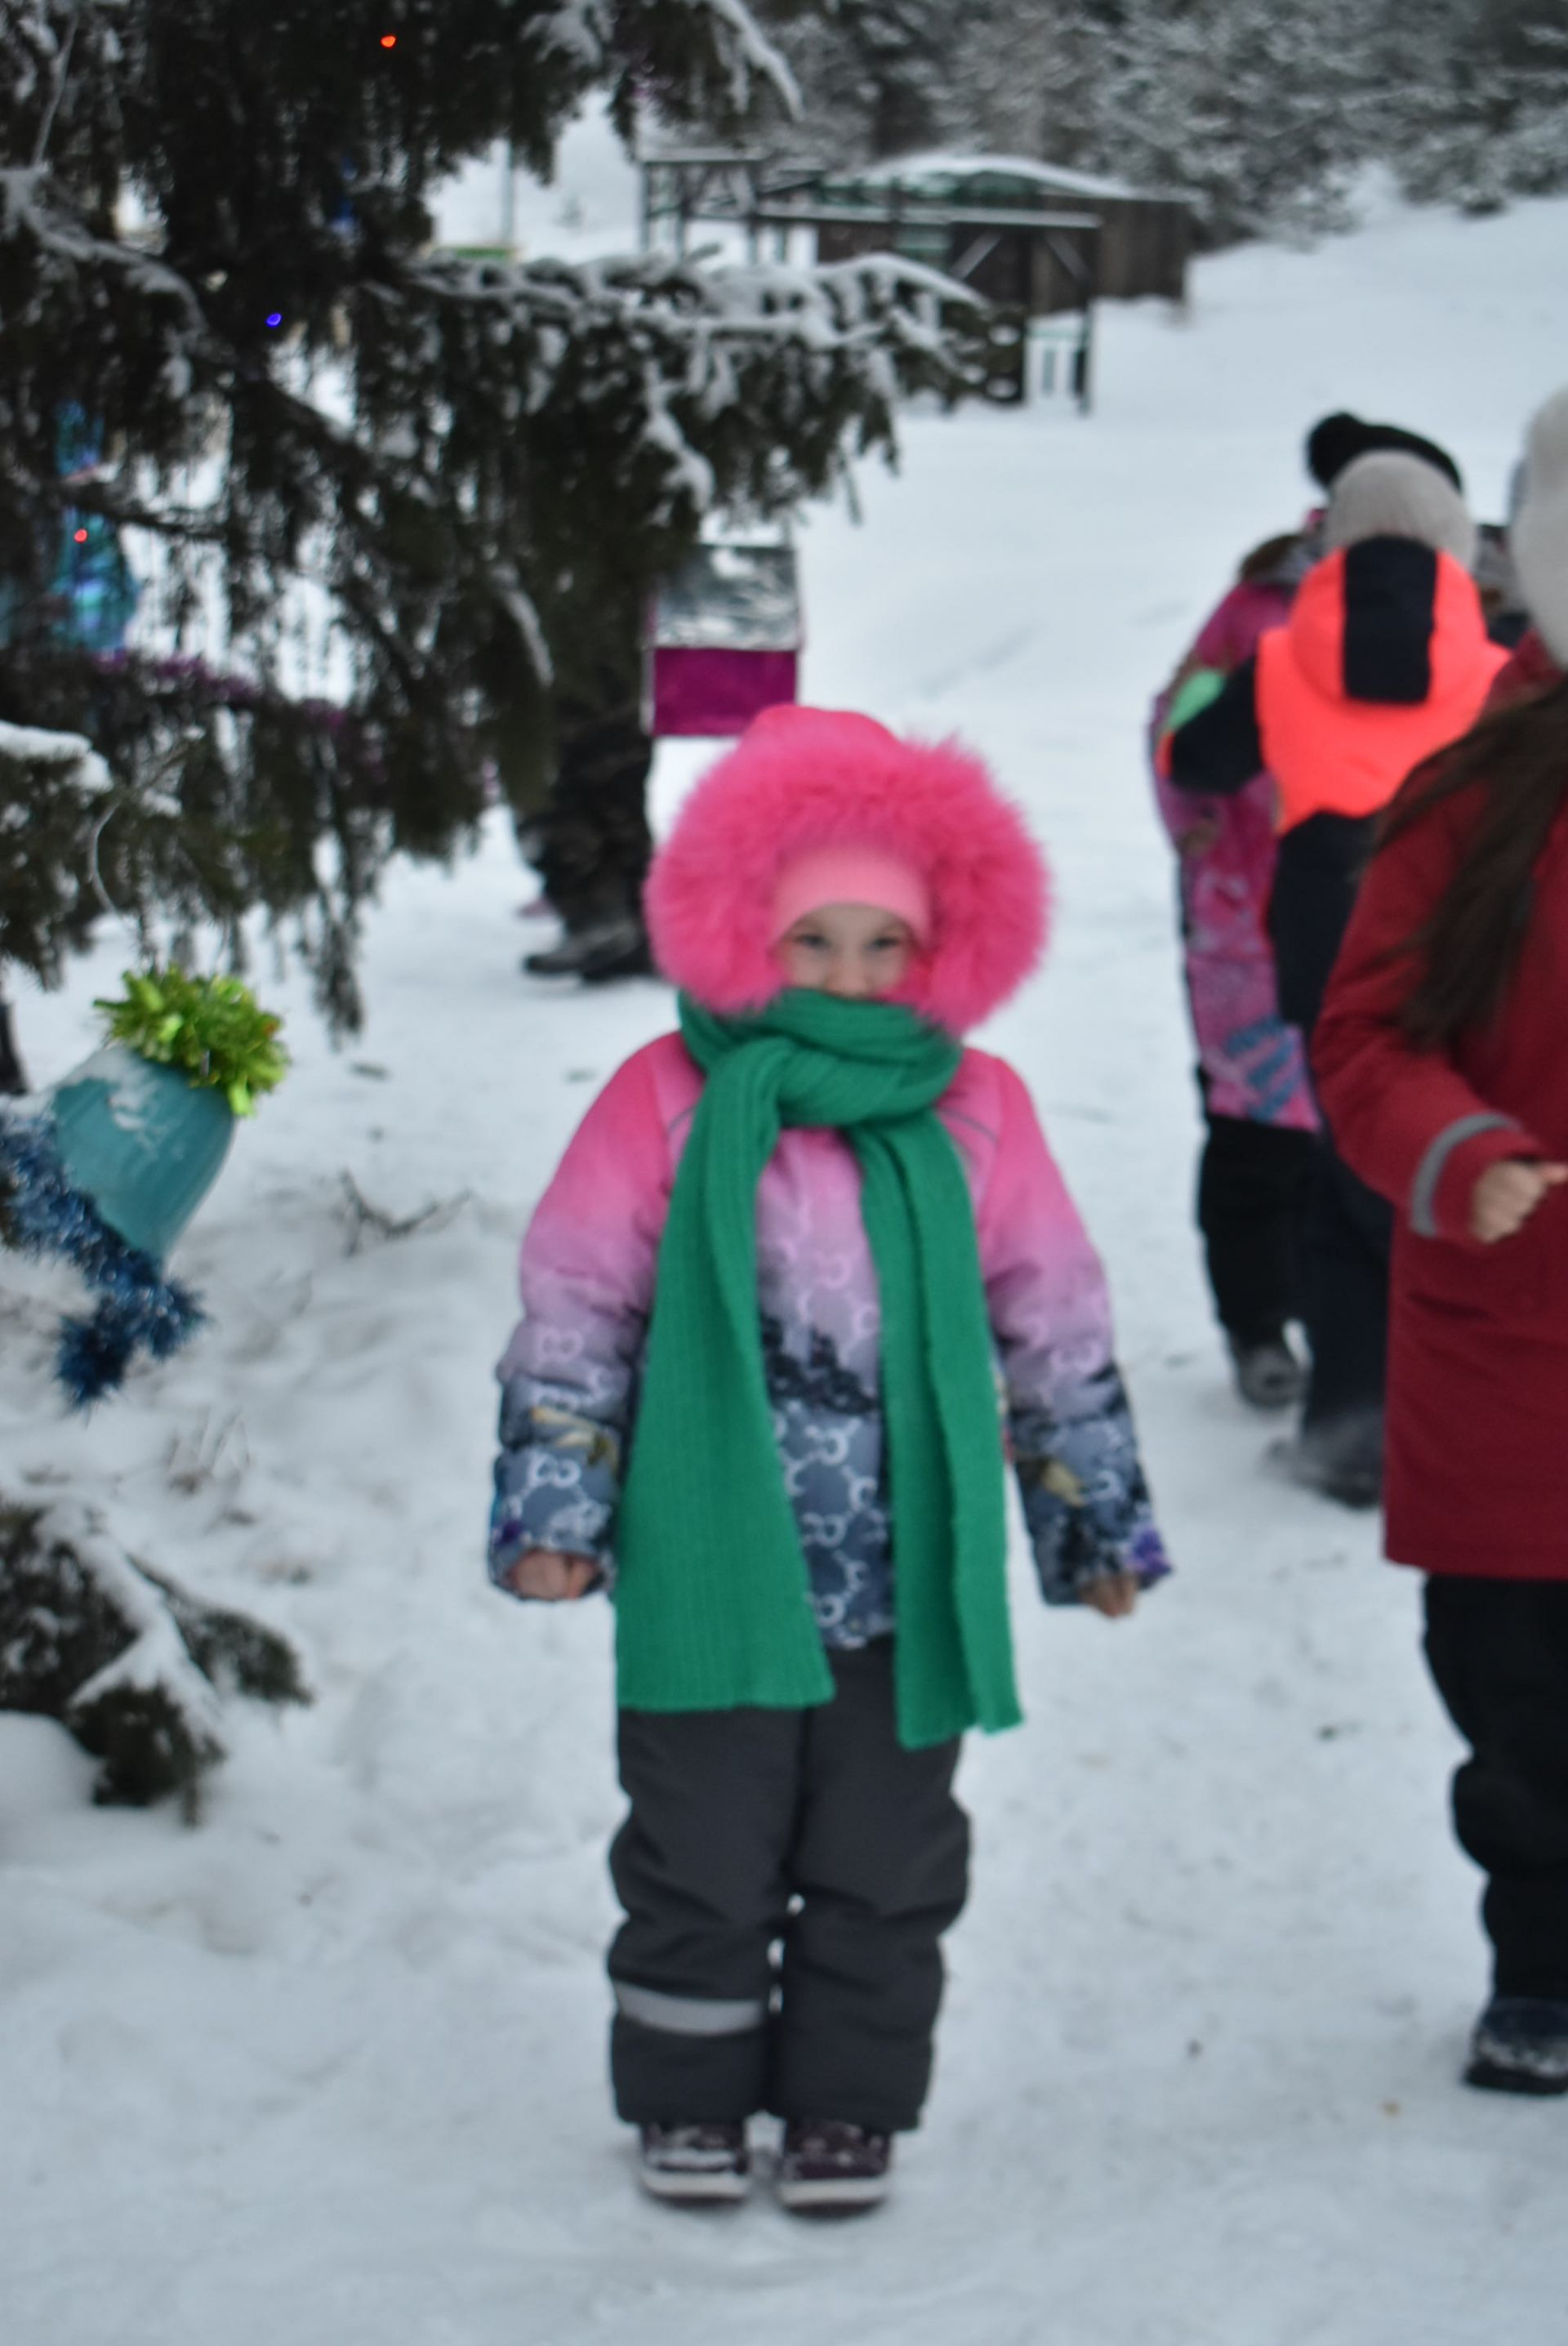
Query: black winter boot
point(617, 946)
point(1521, 2045)
point(1340, 1457)
point(1268, 1373)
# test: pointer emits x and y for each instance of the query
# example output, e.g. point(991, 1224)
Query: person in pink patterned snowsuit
point(1255, 1169)
point(832, 897)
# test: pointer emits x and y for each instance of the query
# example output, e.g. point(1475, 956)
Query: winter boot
point(695, 2165)
point(627, 954)
point(1342, 1459)
point(616, 946)
point(1521, 2045)
point(827, 2168)
point(1268, 1373)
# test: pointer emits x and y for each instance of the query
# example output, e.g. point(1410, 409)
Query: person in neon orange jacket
point(1383, 660)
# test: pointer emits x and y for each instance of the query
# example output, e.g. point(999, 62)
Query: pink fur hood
point(804, 779)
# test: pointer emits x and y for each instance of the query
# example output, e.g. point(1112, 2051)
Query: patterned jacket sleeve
point(1219, 749)
point(569, 1375)
point(1085, 1499)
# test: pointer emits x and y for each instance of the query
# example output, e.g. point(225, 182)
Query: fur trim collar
point(802, 779)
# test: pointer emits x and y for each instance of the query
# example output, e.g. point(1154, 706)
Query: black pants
point(1253, 1186)
point(809, 1831)
point(590, 841)
point(12, 1078)
point(1349, 1234)
point(1499, 1652)
point(1349, 1229)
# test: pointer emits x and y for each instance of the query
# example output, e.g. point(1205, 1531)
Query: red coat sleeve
point(1407, 1120)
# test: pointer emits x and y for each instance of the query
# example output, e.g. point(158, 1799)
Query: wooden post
point(509, 196)
point(1090, 294)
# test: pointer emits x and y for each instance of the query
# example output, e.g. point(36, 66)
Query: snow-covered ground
point(329, 2070)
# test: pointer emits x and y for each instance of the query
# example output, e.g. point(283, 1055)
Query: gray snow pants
point(786, 1876)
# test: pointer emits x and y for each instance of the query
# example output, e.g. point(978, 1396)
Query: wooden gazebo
point(1036, 241)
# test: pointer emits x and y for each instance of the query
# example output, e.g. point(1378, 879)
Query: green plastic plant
point(212, 1029)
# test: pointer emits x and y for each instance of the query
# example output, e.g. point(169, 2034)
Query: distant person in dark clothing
point(590, 843)
point(12, 1081)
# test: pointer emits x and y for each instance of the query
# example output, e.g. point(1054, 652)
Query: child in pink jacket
point(800, 1263)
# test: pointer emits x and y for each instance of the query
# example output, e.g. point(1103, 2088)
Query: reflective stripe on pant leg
point(689, 2016)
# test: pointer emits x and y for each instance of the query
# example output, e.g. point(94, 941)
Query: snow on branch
point(755, 57)
point(25, 745)
point(132, 1664)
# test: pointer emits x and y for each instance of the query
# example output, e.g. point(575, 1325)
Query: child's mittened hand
point(1115, 1594)
point(1507, 1194)
point(546, 1573)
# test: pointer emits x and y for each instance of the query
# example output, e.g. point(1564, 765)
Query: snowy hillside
point(329, 2070)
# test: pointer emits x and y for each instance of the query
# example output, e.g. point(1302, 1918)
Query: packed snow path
point(330, 2069)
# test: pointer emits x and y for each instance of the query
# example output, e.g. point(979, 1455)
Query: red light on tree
point(389, 40)
point(81, 537)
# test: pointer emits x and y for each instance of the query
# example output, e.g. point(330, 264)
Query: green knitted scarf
point(712, 1605)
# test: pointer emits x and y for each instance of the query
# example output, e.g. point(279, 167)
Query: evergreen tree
point(1260, 114)
point(377, 494)
point(1264, 114)
point(1478, 107)
point(878, 74)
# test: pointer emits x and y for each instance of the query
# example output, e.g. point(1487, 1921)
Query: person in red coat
point(1442, 1067)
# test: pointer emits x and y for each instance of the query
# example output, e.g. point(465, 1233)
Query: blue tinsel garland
point(138, 1309)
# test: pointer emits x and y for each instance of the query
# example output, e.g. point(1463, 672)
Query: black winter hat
point(1339, 439)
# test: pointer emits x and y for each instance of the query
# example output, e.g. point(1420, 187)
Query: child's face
point(854, 951)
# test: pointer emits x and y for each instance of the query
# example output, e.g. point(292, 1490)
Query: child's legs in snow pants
point(1253, 1187)
point(1349, 1232)
point(813, 1828)
point(1499, 1652)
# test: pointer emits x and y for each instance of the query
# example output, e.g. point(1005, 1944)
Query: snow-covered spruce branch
point(133, 1665)
point(25, 212)
point(718, 58)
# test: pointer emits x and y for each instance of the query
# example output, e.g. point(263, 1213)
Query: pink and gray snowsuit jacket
point(589, 1260)
point(1253, 1063)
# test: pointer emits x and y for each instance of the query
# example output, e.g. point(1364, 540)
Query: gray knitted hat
point(1392, 496)
point(1538, 535)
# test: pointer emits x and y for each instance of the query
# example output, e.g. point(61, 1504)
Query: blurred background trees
point(1262, 114)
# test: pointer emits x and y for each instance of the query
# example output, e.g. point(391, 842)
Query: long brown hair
point(1467, 946)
